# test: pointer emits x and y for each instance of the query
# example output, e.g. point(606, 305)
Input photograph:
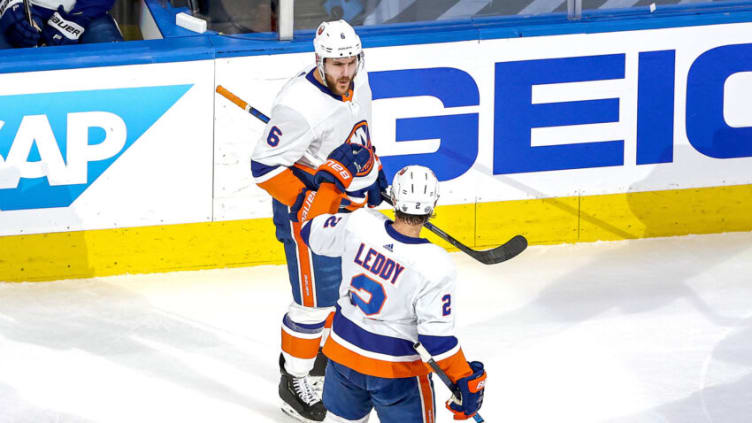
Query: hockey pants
point(314, 280)
point(349, 397)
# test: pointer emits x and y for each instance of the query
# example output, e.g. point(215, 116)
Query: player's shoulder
point(298, 92)
point(435, 258)
point(367, 218)
point(423, 256)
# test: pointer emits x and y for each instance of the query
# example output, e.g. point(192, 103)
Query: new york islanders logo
point(361, 152)
point(360, 135)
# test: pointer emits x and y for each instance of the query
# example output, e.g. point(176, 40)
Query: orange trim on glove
point(324, 201)
point(355, 205)
point(338, 170)
point(456, 366)
point(476, 385)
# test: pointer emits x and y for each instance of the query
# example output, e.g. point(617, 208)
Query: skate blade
point(287, 409)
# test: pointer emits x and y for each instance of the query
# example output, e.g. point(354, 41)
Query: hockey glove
point(64, 28)
point(375, 190)
point(15, 25)
point(353, 200)
point(346, 162)
point(471, 393)
point(370, 195)
point(310, 204)
point(305, 196)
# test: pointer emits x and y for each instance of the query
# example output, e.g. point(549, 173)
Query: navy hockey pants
point(352, 395)
point(314, 279)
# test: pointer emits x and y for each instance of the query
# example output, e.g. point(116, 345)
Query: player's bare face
point(340, 73)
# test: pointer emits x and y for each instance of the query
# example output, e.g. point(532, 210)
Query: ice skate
point(317, 373)
point(299, 398)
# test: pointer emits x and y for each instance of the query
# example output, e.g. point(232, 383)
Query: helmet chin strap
point(320, 68)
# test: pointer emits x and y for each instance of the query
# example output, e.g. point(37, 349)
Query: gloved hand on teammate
point(375, 190)
point(15, 25)
point(350, 167)
point(309, 204)
point(381, 185)
point(296, 212)
point(370, 195)
point(471, 389)
point(64, 28)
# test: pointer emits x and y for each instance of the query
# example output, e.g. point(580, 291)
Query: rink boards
point(141, 167)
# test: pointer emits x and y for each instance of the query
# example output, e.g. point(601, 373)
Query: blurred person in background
point(56, 22)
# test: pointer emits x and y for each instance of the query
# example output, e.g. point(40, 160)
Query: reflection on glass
point(245, 16)
point(239, 16)
point(624, 4)
point(308, 14)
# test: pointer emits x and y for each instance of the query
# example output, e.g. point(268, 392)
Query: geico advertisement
point(105, 147)
point(534, 117)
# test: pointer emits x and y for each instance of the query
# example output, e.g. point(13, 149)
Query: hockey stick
point(504, 252)
point(426, 357)
point(242, 104)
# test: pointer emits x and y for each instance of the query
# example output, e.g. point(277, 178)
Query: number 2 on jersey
point(447, 308)
point(367, 294)
point(332, 222)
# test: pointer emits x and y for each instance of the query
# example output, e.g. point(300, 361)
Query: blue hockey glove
point(346, 162)
point(15, 25)
point(370, 195)
point(375, 190)
point(471, 393)
point(64, 28)
point(354, 200)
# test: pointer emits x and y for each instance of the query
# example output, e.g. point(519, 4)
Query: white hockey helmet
point(336, 39)
point(415, 190)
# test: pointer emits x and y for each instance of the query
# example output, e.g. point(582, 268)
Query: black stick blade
point(502, 253)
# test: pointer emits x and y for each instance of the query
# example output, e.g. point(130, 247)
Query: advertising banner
point(105, 147)
point(530, 118)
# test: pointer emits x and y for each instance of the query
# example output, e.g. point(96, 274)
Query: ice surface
point(642, 331)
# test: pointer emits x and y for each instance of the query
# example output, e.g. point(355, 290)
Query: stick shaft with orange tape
point(242, 104)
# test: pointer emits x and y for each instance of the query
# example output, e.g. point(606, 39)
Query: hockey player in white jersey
point(322, 108)
point(396, 289)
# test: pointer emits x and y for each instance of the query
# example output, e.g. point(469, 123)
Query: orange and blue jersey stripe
point(387, 356)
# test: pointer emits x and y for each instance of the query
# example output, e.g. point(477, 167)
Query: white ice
point(656, 330)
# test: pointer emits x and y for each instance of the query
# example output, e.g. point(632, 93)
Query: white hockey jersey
point(307, 122)
point(395, 290)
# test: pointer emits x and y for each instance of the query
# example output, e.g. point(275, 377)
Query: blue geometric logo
point(53, 146)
